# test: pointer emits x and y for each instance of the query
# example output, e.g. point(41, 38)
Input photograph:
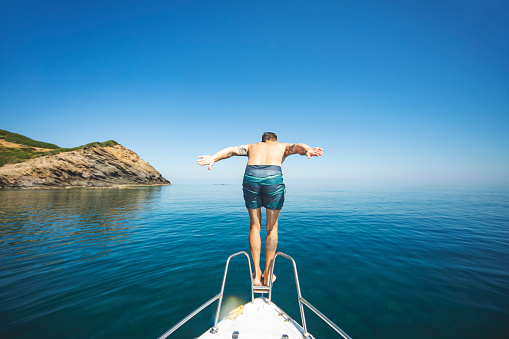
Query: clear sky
point(393, 91)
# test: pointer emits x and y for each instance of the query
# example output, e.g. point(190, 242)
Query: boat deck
point(257, 320)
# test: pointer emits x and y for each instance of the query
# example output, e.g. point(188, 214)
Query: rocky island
point(31, 164)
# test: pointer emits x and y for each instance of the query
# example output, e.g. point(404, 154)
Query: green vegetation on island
point(27, 148)
point(23, 140)
point(92, 144)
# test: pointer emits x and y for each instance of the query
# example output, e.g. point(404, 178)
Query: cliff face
point(87, 167)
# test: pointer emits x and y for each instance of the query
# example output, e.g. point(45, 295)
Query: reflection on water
point(47, 229)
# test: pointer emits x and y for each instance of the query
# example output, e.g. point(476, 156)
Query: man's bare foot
point(267, 283)
point(257, 279)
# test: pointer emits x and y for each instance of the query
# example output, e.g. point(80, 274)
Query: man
point(263, 186)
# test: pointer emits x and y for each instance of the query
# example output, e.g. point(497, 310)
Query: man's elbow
point(231, 151)
point(301, 149)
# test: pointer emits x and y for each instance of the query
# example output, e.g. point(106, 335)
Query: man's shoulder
point(287, 145)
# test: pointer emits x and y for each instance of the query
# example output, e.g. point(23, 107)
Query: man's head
point(269, 136)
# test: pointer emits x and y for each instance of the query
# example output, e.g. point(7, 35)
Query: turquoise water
point(381, 263)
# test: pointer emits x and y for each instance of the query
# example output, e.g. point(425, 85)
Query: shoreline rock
point(94, 167)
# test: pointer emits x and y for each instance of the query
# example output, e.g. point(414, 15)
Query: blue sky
point(393, 91)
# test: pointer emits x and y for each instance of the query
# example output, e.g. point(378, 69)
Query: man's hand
point(206, 160)
point(314, 152)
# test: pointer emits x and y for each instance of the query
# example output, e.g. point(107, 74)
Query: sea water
point(379, 262)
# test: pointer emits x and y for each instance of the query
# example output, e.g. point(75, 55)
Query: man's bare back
point(266, 153)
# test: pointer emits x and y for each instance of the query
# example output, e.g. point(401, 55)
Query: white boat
point(260, 318)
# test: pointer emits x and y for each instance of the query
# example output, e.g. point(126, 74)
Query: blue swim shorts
point(263, 186)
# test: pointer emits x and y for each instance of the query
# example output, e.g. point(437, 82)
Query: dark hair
point(269, 136)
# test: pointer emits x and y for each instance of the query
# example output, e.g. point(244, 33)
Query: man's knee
point(255, 226)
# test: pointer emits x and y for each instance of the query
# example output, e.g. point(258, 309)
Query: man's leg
point(270, 243)
point(255, 242)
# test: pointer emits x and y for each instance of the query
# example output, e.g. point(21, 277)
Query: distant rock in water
point(109, 166)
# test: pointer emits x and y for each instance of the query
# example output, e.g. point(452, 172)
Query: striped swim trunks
point(263, 186)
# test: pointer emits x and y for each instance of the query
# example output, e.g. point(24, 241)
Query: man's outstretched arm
point(222, 154)
point(302, 149)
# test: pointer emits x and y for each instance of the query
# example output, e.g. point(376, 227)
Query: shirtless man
point(263, 186)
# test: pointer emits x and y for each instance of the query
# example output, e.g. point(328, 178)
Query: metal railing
point(303, 301)
point(219, 297)
point(214, 329)
point(324, 318)
point(189, 316)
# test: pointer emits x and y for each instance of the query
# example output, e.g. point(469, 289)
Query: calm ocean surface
point(380, 263)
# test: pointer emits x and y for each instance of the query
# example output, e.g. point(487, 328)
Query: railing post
point(302, 316)
point(214, 329)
